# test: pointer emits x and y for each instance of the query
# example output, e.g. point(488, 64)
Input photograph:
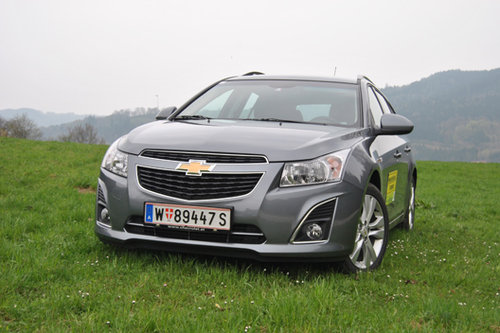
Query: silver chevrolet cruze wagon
point(275, 168)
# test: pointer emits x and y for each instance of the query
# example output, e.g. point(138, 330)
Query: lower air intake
point(240, 233)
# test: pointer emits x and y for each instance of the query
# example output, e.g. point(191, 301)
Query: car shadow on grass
point(294, 270)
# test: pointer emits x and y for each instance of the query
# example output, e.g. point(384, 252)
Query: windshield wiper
point(276, 120)
point(191, 117)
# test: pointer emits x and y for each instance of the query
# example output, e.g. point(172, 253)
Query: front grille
point(208, 186)
point(240, 233)
point(208, 157)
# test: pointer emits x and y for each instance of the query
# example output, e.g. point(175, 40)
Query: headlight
point(324, 169)
point(115, 161)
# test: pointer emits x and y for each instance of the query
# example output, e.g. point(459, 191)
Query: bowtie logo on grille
point(195, 168)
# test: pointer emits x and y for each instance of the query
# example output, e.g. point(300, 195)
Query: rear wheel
point(372, 233)
point(409, 220)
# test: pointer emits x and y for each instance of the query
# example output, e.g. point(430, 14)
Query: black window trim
point(374, 89)
point(379, 93)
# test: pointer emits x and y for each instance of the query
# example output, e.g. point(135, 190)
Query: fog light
point(314, 231)
point(105, 216)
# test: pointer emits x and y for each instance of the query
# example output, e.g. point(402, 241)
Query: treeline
point(20, 127)
point(24, 128)
point(91, 129)
point(108, 128)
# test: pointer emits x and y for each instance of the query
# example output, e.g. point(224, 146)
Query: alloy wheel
point(411, 208)
point(370, 235)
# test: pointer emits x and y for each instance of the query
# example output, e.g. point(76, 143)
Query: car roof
point(260, 77)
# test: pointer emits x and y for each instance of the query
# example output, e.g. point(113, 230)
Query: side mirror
point(165, 113)
point(395, 124)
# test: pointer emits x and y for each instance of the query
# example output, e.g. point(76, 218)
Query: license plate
point(180, 216)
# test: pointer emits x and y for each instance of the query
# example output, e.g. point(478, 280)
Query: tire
point(409, 221)
point(372, 233)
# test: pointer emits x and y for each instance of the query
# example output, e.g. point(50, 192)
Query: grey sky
point(95, 57)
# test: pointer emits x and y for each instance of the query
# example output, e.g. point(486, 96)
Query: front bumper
point(321, 252)
point(276, 212)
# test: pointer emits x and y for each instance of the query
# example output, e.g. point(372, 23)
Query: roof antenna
point(335, 71)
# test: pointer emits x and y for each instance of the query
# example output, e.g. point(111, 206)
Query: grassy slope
point(56, 276)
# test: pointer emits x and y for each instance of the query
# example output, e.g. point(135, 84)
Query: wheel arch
point(414, 175)
point(375, 179)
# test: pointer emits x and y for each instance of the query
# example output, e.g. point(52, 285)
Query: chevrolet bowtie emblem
point(195, 168)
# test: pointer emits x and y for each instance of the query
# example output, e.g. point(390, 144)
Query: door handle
point(407, 149)
point(397, 154)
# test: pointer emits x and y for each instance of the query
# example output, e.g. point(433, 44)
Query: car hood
point(277, 141)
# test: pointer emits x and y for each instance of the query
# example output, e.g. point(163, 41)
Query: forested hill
point(456, 115)
point(109, 127)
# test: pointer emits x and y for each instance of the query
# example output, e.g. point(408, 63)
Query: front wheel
point(372, 233)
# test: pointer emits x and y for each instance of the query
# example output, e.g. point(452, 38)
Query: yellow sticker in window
point(391, 187)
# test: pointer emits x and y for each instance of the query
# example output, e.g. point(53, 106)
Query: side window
point(383, 102)
point(375, 108)
point(214, 107)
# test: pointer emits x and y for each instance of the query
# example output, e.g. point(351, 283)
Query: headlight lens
point(328, 168)
point(115, 160)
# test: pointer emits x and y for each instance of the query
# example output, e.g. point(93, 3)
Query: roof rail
point(252, 73)
point(361, 77)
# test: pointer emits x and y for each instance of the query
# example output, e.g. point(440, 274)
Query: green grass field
point(56, 276)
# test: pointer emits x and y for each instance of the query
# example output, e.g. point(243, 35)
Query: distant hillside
point(109, 127)
point(456, 115)
point(41, 118)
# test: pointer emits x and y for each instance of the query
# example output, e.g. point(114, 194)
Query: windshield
point(280, 100)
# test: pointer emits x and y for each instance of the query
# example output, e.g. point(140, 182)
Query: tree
point(82, 133)
point(3, 129)
point(22, 127)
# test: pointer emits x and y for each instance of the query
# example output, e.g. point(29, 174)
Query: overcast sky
point(95, 57)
